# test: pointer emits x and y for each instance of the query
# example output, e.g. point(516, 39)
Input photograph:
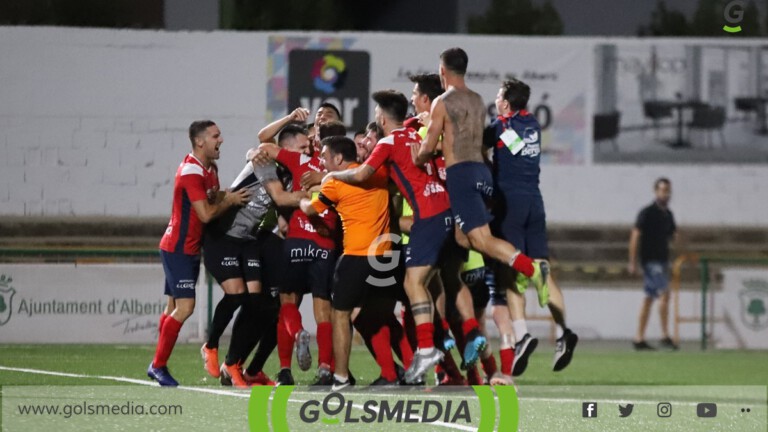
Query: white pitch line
point(195, 389)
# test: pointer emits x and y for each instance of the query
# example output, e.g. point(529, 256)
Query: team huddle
point(436, 211)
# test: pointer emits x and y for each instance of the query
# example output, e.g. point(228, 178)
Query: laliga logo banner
point(339, 77)
point(356, 410)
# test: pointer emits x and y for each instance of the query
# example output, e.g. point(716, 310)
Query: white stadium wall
point(93, 122)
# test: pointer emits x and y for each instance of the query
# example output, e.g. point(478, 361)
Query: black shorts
point(355, 276)
point(272, 265)
point(308, 268)
point(228, 258)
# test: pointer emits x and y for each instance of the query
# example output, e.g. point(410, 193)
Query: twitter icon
point(626, 410)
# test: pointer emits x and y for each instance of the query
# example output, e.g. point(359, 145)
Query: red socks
point(489, 365)
point(424, 335)
point(324, 343)
point(284, 343)
point(507, 358)
point(290, 313)
point(163, 317)
point(469, 325)
point(383, 350)
point(446, 326)
point(523, 264)
point(166, 341)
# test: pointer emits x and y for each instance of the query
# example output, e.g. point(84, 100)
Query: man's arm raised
point(270, 131)
point(434, 130)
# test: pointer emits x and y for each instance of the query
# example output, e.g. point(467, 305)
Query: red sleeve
point(413, 123)
point(379, 155)
point(289, 159)
point(194, 185)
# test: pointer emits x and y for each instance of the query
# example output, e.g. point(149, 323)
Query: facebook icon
point(589, 409)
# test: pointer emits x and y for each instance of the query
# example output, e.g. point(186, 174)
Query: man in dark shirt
point(653, 230)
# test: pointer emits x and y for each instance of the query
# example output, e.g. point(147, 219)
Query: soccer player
point(458, 115)
point(326, 113)
point(653, 230)
point(196, 201)
point(232, 256)
point(515, 137)
point(431, 236)
point(309, 253)
point(365, 220)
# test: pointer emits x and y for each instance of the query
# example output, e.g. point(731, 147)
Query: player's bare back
point(463, 126)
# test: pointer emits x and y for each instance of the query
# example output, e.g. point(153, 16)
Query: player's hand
point(300, 195)
point(311, 178)
point(260, 159)
point(238, 198)
point(300, 115)
point(632, 268)
point(423, 117)
point(415, 148)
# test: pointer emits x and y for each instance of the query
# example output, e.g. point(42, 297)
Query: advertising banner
point(92, 303)
point(744, 306)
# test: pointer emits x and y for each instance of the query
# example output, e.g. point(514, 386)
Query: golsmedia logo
point(734, 13)
point(356, 410)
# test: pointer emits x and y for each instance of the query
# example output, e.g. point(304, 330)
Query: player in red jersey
point(196, 201)
point(310, 253)
point(431, 237)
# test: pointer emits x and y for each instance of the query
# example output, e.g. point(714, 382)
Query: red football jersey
point(193, 183)
point(319, 229)
point(419, 185)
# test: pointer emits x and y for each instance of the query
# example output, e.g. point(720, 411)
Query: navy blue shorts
point(520, 220)
point(429, 237)
point(469, 185)
point(181, 272)
point(656, 278)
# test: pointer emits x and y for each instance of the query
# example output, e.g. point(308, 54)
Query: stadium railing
point(707, 317)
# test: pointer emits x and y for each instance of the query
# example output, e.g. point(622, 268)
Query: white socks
point(340, 378)
point(559, 331)
point(520, 328)
point(426, 351)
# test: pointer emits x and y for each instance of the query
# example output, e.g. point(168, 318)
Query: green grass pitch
point(606, 373)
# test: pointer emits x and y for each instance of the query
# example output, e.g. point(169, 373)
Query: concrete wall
point(93, 122)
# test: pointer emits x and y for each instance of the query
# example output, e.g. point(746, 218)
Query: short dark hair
point(661, 180)
point(332, 128)
point(331, 106)
point(289, 131)
point(393, 103)
point(198, 127)
point(373, 126)
point(455, 60)
point(516, 93)
point(360, 132)
point(341, 145)
point(429, 84)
